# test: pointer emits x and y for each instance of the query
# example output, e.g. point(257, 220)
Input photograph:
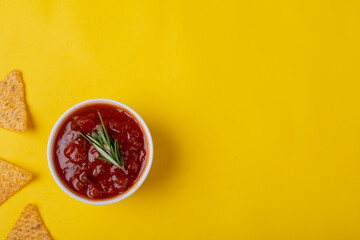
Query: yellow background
point(253, 107)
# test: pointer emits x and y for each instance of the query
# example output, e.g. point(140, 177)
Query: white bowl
point(140, 179)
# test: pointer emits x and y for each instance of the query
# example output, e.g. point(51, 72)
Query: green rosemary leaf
point(106, 146)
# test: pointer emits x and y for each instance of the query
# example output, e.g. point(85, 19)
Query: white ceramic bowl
point(145, 169)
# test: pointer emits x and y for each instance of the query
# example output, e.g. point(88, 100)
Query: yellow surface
point(253, 107)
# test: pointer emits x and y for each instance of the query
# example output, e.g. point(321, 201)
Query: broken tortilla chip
point(12, 179)
point(29, 226)
point(13, 114)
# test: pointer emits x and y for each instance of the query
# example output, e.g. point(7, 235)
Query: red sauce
point(76, 159)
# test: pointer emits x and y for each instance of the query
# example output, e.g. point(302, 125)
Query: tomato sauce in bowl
point(77, 162)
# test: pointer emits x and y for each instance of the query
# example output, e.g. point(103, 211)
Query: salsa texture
point(77, 161)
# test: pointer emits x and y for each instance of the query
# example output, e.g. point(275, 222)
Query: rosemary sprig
point(106, 146)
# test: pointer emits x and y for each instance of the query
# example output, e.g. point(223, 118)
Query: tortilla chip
point(29, 226)
point(13, 114)
point(12, 179)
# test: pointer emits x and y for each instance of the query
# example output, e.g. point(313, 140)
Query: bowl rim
point(145, 170)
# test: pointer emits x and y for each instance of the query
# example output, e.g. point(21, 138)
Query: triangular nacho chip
point(12, 179)
point(29, 226)
point(13, 114)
